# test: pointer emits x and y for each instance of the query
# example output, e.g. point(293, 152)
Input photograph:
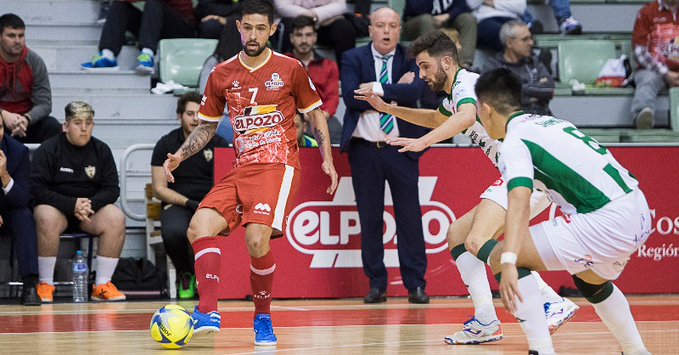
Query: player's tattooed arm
point(200, 136)
point(319, 126)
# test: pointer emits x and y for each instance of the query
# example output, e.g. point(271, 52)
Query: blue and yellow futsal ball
point(172, 326)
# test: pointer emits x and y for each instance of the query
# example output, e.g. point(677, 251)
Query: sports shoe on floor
point(570, 26)
point(46, 292)
point(144, 64)
point(264, 330)
point(206, 323)
point(558, 313)
point(475, 332)
point(187, 286)
point(99, 63)
point(644, 119)
point(107, 292)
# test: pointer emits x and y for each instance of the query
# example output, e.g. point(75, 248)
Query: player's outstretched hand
point(509, 287)
point(171, 163)
point(408, 144)
point(329, 169)
point(373, 99)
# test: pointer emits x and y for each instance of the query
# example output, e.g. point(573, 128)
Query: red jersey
point(657, 29)
point(262, 103)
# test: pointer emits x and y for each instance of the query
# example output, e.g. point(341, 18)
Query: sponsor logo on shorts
point(330, 231)
point(263, 208)
point(586, 261)
point(212, 277)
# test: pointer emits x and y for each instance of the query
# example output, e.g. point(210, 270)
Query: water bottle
point(80, 274)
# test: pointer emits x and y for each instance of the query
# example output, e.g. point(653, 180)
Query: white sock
point(106, 53)
point(473, 273)
point(46, 269)
point(105, 268)
point(532, 313)
point(614, 311)
point(547, 293)
point(147, 51)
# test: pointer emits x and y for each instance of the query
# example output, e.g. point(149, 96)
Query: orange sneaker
point(107, 292)
point(46, 292)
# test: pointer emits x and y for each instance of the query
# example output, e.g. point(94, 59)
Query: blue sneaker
point(264, 330)
point(206, 323)
point(100, 63)
point(144, 64)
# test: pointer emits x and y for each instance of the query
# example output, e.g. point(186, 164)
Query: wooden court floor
point(317, 327)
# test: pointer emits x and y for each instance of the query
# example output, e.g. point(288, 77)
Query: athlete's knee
point(592, 292)
point(475, 242)
point(258, 245)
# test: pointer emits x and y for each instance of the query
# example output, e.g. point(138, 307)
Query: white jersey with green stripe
point(581, 175)
point(463, 93)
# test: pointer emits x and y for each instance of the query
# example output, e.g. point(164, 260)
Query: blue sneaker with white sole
point(206, 323)
point(144, 64)
point(264, 331)
point(99, 63)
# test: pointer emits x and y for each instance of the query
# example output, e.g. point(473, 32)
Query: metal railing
point(124, 174)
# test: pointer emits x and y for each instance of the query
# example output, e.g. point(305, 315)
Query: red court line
point(243, 319)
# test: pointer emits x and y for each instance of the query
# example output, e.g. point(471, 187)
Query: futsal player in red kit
point(263, 91)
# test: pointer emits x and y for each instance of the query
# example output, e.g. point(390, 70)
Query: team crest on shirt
point(275, 83)
point(90, 171)
point(207, 153)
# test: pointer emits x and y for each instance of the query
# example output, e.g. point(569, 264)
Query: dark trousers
point(370, 168)
point(20, 224)
point(228, 36)
point(39, 131)
point(488, 34)
point(156, 22)
point(174, 221)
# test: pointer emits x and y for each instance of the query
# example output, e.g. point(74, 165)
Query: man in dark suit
point(16, 217)
point(378, 66)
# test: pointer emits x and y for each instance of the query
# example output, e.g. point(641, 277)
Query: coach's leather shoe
point(375, 296)
point(29, 296)
point(418, 296)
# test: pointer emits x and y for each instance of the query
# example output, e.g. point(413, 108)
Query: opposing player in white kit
point(606, 216)
point(473, 236)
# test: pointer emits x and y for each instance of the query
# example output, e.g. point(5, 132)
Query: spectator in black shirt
point(193, 180)
point(74, 185)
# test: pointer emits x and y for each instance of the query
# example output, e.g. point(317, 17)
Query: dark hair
point(12, 21)
point(501, 89)
point(186, 98)
point(302, 21)
point(258, 7)
point(436, 44)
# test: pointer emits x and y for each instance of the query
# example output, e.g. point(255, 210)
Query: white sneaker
point(475, 332)
point(558, 313)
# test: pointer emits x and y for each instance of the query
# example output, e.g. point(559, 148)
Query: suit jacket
point(358, 66)
point(19, 168)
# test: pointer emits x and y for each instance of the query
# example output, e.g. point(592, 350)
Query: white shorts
point(497, 192)
point(601, 241)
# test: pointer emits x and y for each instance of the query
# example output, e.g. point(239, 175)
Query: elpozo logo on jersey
point(257, 117)
point(330, 230)
point(274, 83)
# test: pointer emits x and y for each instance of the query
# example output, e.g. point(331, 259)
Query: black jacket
point(62, 172)
point(18, 167)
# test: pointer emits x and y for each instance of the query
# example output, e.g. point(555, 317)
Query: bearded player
point(263, 90)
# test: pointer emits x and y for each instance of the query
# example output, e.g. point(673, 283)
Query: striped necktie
point(386, 120)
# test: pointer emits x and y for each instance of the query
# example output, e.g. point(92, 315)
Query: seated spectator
point(303, 139)
point(323, 72)
point(562, 13)
point(25, 94)
point(160, 19)
point(537, 87)
point(75, 184)
point(334, 30)
point(424, 16)
point(217, 18)
point(16, 217)
point(193, 180)
point(491, 15)
point(655, 49)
